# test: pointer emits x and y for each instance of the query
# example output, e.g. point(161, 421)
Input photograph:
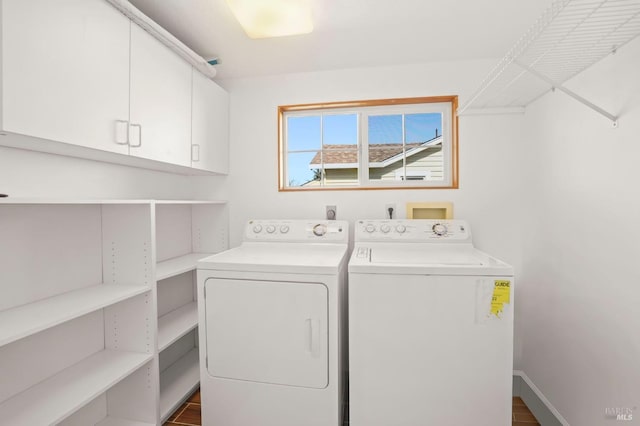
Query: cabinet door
point(65, 71)
point(160, 126)
point(209, 125)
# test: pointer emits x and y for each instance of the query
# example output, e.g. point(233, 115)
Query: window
point(393, 143)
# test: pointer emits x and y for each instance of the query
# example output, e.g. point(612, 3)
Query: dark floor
point(189, 413)
point(521, 414)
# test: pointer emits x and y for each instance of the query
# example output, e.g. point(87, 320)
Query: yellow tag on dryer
point(501, 296)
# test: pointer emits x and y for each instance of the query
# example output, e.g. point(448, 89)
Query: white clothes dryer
point(430, 327)
point(271, 315)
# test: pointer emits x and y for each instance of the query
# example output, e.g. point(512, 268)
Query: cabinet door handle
point(195, 152)
point(122, 132)
point(139, 126)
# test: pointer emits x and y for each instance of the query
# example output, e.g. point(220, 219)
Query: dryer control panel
point(327, 231)
point(416, 230)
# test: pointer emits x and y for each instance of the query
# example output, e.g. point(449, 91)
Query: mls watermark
point(624, 414)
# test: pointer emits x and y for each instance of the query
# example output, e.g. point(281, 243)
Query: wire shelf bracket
point(560, 87)
point(569, 37)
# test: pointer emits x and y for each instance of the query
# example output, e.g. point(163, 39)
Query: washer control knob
point(385, 229)
point(284, 229)
point(400, 229)
point(370, 228)
point(319, 230)
point(271, 229)
point(257, 229)
point(440, 229)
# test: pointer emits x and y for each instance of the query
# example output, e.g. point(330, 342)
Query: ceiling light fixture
point(273, 18)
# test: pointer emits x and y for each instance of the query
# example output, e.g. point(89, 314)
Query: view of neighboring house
point(423, 162)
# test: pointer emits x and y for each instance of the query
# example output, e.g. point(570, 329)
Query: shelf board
point(45, 201)
point(115, 421)
point(569, 37)
point(25, 320)
point(190, 202)
point(178, 381)
point(56, 398)
point(178, 265)
point(176, 324)
point(98, 201)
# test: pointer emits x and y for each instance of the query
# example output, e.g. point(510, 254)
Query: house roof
point(380, 155)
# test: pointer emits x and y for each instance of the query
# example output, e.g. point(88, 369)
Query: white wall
point(581, 281)
point(489, 147)
point(32, 174)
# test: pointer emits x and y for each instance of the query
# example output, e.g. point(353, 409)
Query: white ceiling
point(351, 33)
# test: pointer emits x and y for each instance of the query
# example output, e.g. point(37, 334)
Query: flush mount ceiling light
point(273, 18)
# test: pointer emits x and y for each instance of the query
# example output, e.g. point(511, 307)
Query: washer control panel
point(423, 230)
point(335, 231)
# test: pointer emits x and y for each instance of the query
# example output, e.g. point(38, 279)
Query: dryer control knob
point(400, 229)
point(284, 229)
point(440, 229)
point(257, 229)
point(370, 228)
point(271, 229)
point(385, 228)
point(319, 230)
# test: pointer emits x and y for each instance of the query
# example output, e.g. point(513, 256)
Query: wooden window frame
point(453, 142)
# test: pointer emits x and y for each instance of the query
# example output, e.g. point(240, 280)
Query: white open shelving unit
point(59, 396)
point(178, 381)
point(178, 265)
point(25, 320)
point(84, 336)
point(568, 38)
point(185, 233)
point(177, 323)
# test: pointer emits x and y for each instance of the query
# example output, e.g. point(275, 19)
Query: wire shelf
point(568, 38)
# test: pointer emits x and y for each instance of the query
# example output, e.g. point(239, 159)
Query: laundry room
point(166, 227)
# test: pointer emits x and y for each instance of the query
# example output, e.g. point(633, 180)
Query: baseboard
point(539, 405)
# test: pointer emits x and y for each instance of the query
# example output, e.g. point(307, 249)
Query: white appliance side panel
point(267, 331)
point(419, 345)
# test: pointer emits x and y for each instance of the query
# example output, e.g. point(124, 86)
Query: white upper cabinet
point(79, 78)
point(209, 125)
point(65, 72)
point(160, 124)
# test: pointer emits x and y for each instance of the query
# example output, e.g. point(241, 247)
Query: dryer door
point(266, 331)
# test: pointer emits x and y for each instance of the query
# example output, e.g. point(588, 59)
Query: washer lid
point(411, 258)
point(307, 258)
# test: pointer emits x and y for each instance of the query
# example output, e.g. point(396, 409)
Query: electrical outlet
point(390, 211)
point(331, 212)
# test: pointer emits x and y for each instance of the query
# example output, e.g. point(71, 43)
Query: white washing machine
point(271, 315)
point(430, 327)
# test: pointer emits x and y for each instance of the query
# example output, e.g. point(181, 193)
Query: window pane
point(418, 161)
point(385, 129)
point(422, 127)
point(300, 171)
point(303, 133)
point(424, 162)
point(385, 146)
point(340, 129)
point(403, 141)
point(385, 160)
point(340, 166)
